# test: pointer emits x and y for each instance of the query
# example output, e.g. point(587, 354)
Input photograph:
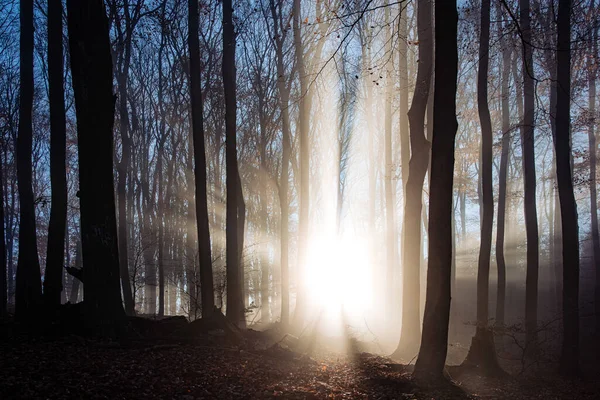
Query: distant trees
point(29, 286)
point(91, 69)
point(434, 343)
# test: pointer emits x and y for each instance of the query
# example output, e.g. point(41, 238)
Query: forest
point(302, 199)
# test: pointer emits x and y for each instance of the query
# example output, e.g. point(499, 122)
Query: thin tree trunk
point(527, 142)
point(502, 177)
point(569, 361)
point(58, 172)
point(419, 162)
point(3, 271)
point(482, 352)
point(29, 286)
point(303, 129)
point(434, 344)
point(202, 220)
point(593, 149)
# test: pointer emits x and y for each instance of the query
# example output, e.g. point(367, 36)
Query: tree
point(303, 129)
point(91, 69)
point(482, 352)
point(569, 360)
point(3, 271)
point(434, 342)
point(527, 143)
point(284, 99)
point(235, 300)
point(206, 273)
point(501, 222)
point(29, 286)
point(592, 69)
point(418, 165)
point(58, 171)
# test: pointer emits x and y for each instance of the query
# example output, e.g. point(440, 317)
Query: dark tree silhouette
point(58, 171)
point(235, 300)
point(91, 68)
point(434, 341)
point(527, 143)
point(206, 273)
point(29, 286)
point(3, 271)
point(418, 165)
point(569, 361)
point(482, 352)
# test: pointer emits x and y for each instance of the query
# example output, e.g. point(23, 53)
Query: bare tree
point(434, 343)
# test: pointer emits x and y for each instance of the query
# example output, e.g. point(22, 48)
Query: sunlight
point(339, 278)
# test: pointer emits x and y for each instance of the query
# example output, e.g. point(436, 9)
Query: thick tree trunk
point(527, 142)
point(206, 273)
point(58, 172)
point(569, 361)
point(235, 300)
point(29, 286)
point(434, 344)
point(419, 162)
point(91, 66)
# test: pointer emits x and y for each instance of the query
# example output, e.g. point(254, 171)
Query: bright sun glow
point(339, 278)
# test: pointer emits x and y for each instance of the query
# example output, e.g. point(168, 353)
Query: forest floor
point(74, 367)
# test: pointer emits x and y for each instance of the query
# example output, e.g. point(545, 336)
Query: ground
point(74, 367)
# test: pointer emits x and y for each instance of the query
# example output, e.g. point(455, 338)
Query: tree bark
point(91, 66)
point(569, 361)
point(303, 129)
point(593, 149)
point(527, 142)
point(434, 343)
point(29, 287)
point(206, 273)
point(58, 172)
point(235, 300)
point(502, 178)
point(419, 163)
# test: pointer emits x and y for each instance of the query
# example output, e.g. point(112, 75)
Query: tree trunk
point(419, 162)
point(3, 271)
point(593, 149)
point(74, 295)
point(235, 301)
point(206, 273)
point(390, 242)
point(434, 344)
point(91, 66)
point(482, 352)
point(303, 129)
point(29, 287)
point(569, 361)
point(501, 223)
point(58, 172)
point(527, 142)
point(284, 96)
